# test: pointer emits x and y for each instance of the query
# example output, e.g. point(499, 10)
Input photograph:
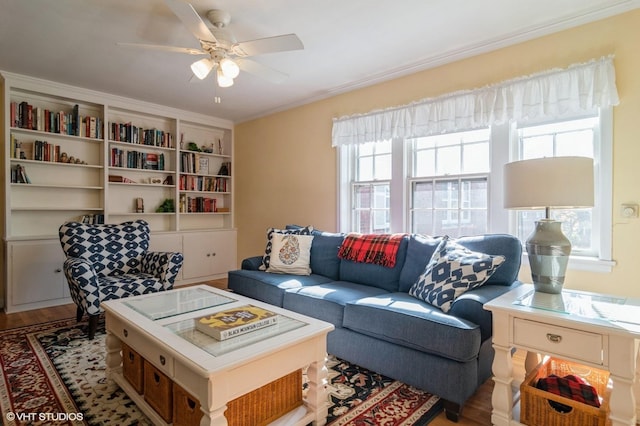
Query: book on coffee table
point(234, 322)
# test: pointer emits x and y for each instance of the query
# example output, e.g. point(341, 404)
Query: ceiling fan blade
point(175, 49)
point(263, 71)
point(190, 18)
point(268, 45)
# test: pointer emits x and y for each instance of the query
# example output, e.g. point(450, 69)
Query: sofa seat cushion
point(327, 301)
point(267, 287)
point(404, 320)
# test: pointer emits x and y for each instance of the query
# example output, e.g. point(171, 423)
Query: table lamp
point(545, 183)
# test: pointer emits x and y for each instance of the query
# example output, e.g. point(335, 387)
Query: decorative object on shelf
point(139, 205)
point(225, 169)
point(155, 181)
point(192, 146)
point(545, 183)
point(168, 180)
point(167, 206)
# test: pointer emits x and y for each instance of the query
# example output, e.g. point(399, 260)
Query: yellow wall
point(286, 167)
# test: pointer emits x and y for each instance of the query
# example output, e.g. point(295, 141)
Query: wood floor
point(477, 410)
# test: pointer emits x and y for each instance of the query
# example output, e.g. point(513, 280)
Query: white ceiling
point(348, 43)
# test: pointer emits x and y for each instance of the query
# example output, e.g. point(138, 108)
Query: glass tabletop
point(171, 303)
point(187, 330)
point(582, 304)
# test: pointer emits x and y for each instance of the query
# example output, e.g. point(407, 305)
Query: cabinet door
point(208, 253)
point(35, 274)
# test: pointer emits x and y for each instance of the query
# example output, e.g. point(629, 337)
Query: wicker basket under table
point(535, 409)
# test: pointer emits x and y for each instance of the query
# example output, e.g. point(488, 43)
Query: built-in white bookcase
point(123, 150)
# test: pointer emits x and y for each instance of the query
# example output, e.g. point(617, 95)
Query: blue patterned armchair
point(111, 262)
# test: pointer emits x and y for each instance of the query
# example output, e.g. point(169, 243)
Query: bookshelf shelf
point(45, 124)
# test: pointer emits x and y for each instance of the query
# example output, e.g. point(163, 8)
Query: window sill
point(582, 263)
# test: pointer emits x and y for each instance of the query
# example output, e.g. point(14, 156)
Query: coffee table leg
point(316, 399)
point(214, 418)
point(113, 358)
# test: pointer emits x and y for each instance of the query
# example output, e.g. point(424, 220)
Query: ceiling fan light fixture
point(202, 68)
point(229, 68)
point(223, 80)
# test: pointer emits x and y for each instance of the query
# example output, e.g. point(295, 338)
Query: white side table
point(587, 328)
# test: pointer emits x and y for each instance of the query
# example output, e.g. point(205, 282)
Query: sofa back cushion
point(375, 275)
point(498, 244)
point(324, 254)
point(112, 249)
point(421, 248)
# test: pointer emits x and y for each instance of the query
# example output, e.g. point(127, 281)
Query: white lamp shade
point(556, 182)
point(202, 68)
point(229, 68)
point(223, 80)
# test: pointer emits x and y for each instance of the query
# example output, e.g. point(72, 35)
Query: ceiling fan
point(224, 55)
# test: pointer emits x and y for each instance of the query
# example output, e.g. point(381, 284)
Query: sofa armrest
point(83, 283)
point(470, 306)
point(252, 263)
point(162, 265)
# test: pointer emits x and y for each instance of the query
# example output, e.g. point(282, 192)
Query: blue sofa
point(379, 326)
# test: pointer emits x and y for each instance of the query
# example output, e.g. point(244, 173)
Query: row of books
point(203, 183)
point(192, 162)
point(136, 159)
point(235, 322)
point(19, 174)
point(127, 132)
point(92, 219)
point(197, 204)
point(27, 116)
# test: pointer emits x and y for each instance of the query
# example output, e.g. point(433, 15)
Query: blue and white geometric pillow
point(267, 252)
point(453, 270)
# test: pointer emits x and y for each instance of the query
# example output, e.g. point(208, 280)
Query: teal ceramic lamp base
point(548, 249)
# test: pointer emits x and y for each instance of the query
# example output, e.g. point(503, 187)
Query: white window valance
point(555, 93)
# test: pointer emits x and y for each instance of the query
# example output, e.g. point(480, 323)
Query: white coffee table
point(160, 328)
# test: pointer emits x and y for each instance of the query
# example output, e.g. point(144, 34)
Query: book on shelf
point(19, 175)
point(234, 322)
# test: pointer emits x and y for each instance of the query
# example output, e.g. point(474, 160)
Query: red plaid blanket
point(379, 249)
point(572, 387)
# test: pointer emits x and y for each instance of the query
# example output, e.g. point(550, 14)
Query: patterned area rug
point(54, 375)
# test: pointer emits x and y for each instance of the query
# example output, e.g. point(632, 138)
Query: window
point(452, 183)
point(449, 183)
point(564, 138)
point(371, 188)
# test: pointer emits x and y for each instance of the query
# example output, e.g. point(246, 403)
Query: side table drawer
point(547, 338)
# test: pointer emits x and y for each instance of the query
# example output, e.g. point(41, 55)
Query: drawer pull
point(555, 338)
point(162, 360)
point(125, 332)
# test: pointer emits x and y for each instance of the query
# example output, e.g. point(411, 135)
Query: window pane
point(381, 221)
point(363, 221)
point(473, 222)
point(422, 222)
point(575, 143)
point(474, 193)
point(362, 196)
point(383, 167)
point(576, 225)
point(446, 223)
point(537, 147)
point(365, 148)
point(425, 163)
point(446, 195)
point(475, 158)
point(365, 169)
point(422, 195)
point(381, 197)
point(448, 160)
